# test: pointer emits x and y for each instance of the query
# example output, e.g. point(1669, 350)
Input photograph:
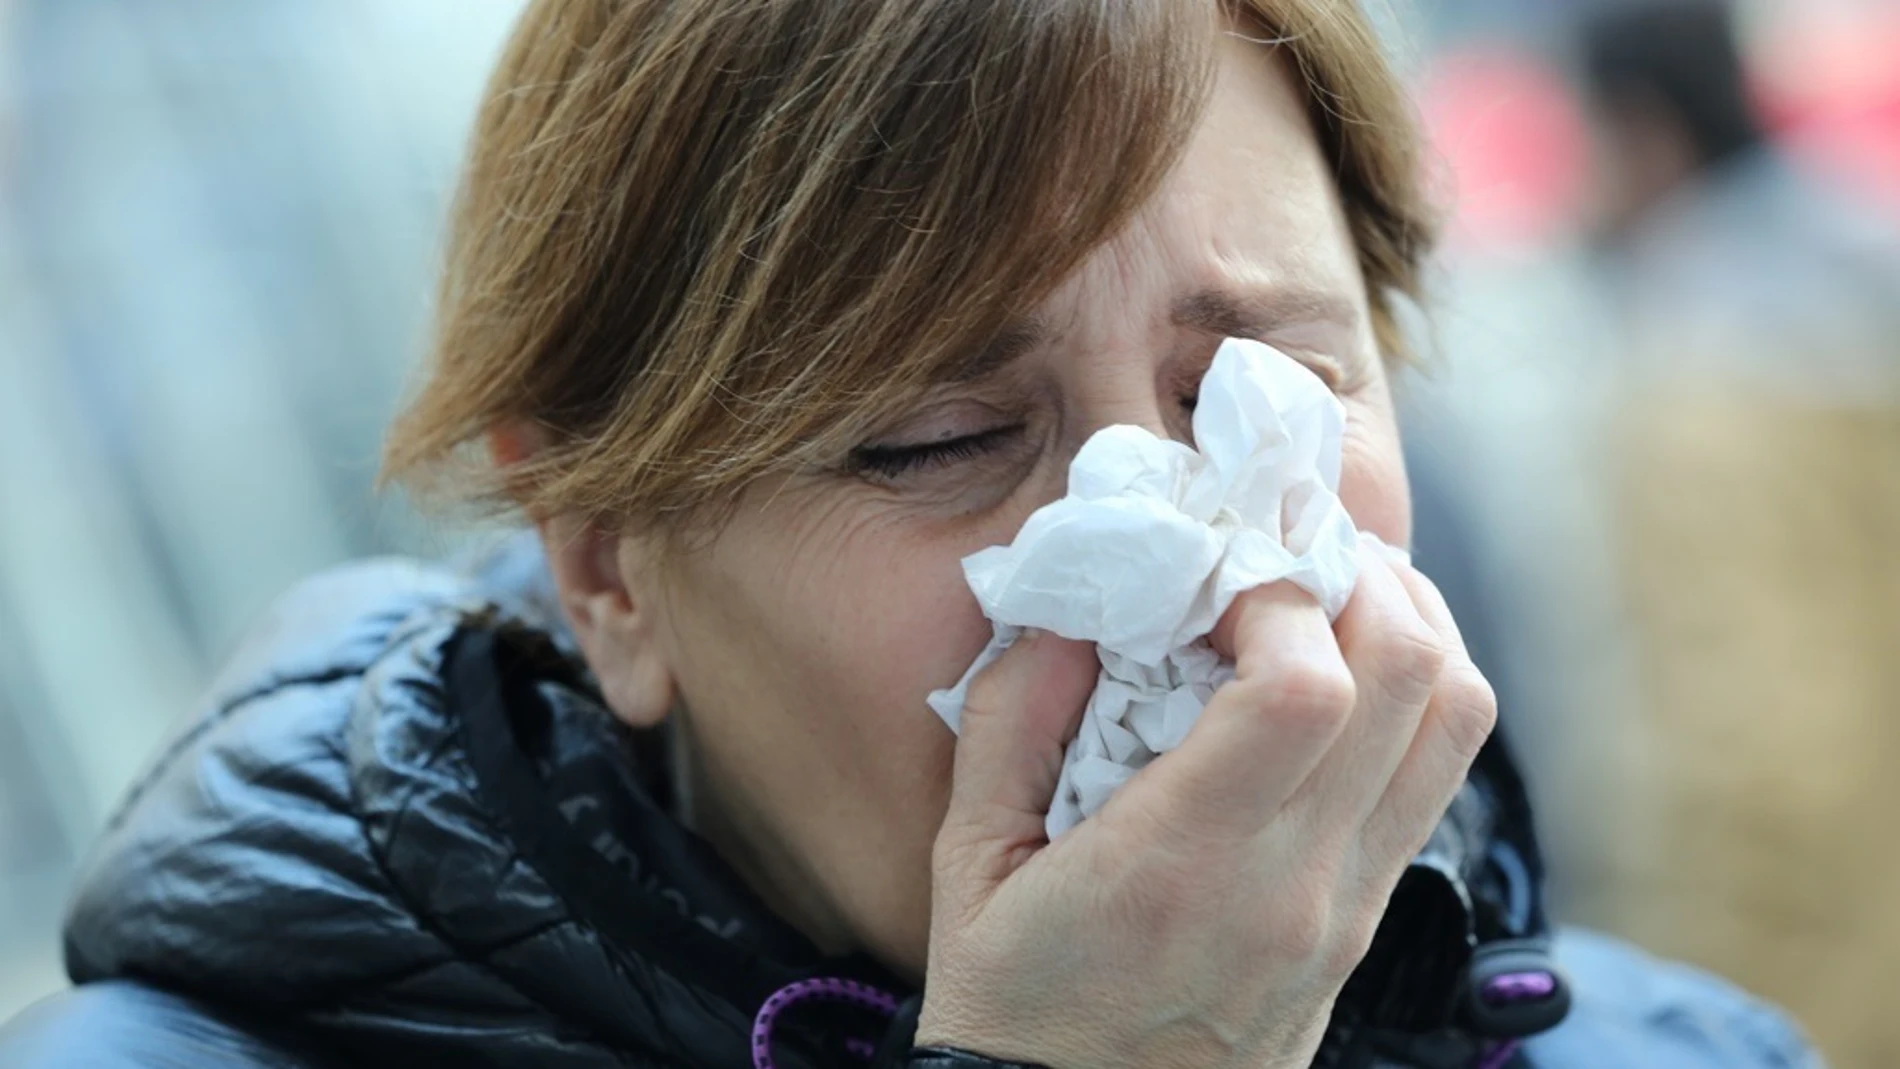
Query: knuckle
point(1303, 918)
point(988, 697)
point(1300, 933)
point(1351, 942)
point(1315, 693)
point(984, 693)
point(1470, 710)
point(1409, 659)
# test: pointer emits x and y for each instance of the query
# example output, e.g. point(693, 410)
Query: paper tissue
point(1152, 544)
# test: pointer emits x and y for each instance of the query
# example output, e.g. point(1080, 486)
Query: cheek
point(847, 617)
point(810, 639)
point(1372, 479)
point(885, 602)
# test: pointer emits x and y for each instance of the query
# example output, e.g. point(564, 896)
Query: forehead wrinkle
point(1256, 312)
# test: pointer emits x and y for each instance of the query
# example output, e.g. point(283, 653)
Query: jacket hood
point(403, 820)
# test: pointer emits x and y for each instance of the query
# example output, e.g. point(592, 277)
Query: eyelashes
point(891, 461)
point(983, 454)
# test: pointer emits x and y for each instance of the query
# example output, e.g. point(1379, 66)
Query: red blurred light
point(1828, 80)
point(1511, 135)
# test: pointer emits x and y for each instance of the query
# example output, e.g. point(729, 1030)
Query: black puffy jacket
point(403, 831)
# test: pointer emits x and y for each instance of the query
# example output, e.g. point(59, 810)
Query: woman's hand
point(1210, 913)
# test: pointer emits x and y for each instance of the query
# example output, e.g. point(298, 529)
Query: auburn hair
point(700, 241)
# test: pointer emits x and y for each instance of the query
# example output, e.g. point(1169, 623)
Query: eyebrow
point(1015, 341)
point(1213, 311)
point(1255, 314)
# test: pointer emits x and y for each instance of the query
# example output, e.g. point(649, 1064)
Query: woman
point(769, 314)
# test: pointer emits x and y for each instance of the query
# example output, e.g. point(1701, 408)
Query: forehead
point(1249, 220)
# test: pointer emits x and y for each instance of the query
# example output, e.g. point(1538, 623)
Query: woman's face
point(800, 643)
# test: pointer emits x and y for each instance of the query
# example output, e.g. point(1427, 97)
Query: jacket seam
point(218, 715)
point(378, 981)
point(403, 628)
point(475, 957)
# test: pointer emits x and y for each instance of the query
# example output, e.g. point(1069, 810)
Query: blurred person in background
point(1754, 474)
point(1725, 256)
point(609, 797)
point(217, 221)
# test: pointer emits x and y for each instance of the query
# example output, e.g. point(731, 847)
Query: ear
point(612, 614)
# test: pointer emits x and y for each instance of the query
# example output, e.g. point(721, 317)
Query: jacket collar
point(407, 822)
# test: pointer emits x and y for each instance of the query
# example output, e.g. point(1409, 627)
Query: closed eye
point(891, 461)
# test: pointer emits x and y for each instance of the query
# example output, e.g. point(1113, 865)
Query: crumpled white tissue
point(1153, 543)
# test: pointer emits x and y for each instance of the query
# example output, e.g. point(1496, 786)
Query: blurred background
point(1656, 444)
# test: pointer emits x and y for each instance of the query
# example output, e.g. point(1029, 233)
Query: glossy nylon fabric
point(319, 847)
point(404, 830)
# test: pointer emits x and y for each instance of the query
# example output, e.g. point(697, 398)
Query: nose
point(1130, 386)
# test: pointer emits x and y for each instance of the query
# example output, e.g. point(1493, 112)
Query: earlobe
point(613, 617)
point(641, 694)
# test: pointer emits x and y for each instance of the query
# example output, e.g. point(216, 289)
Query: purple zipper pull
point(1513, 989)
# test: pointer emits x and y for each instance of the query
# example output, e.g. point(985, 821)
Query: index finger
point(1264, 732)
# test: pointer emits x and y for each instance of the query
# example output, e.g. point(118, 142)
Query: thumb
point(1019, 715)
